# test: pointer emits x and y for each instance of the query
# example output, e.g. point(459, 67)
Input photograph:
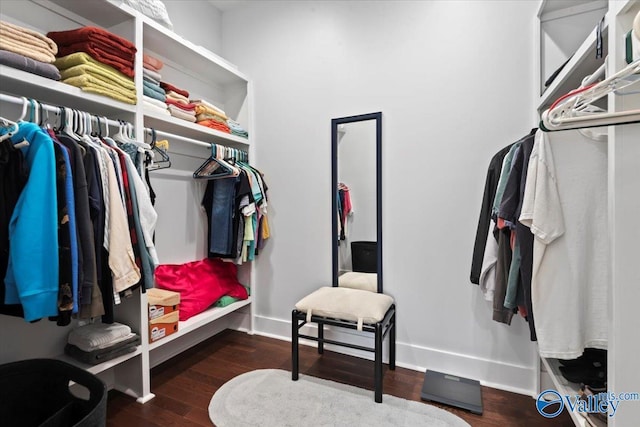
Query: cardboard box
point(162, 302)
point(163, 326)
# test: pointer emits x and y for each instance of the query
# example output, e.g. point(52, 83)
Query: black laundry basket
point(364, 257)
point(36, 393)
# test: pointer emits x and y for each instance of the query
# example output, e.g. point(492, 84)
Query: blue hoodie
point(32, 273)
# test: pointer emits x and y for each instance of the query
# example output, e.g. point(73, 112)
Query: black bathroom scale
point(453, 391)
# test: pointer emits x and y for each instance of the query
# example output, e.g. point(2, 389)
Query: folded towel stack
point(236, 129)
point(98, 342)
point(96, 61)
point(27, 50)
point(154, 95)
point(177, 101)
point(211, 116)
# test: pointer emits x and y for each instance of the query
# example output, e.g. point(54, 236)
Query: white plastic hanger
point(574, 110)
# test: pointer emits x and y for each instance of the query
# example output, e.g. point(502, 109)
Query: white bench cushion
point(346, 304)
point(356, 280)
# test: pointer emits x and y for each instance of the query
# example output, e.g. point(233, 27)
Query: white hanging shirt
point(565, 205)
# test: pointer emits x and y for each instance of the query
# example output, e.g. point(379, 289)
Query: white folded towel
point(95, 335)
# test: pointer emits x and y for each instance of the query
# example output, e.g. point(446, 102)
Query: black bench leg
point(294, 346)
point(392, 343)
point(320, 338)
point(378, 364)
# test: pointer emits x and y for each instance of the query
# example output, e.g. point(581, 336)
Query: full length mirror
point(357, 201)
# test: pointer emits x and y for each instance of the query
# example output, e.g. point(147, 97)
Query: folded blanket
point(91, 336)
point(95, 35)
point(102, 355)
point(210, 106)
point(215, 125)
point(26, 42)
point(181, 114)
point(187, 107)
point(176, 96)
point(151, 74)
point(152, 108)
point(152, 62)
point(153, 93)
point(29, 65)
point(152, 81)
point(105, 56)
point(155, 102)
point(169, 87)
point(93, 84)
point(102, 73)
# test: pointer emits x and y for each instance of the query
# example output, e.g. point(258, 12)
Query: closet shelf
point(200, 62)
point(107, 15)
point(192, 130)
point(21, 83)
point(563, 387)
point(582, 64)
point(96, 369)
point(200, 320)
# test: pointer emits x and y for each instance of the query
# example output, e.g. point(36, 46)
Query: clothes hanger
point(215, 168)
point(571, 110)
point(165, 161)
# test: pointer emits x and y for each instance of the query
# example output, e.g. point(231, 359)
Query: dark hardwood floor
point(184, 385)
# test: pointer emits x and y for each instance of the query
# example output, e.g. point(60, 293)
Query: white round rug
point(269, 398)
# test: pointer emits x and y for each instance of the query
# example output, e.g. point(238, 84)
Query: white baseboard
point(500, 375)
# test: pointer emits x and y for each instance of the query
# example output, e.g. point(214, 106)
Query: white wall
point(197, 21)
point(453, 80)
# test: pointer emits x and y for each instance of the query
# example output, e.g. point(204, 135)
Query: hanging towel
point(29, 65)
point(152, 62)
point(26, 42)
point(169, 87)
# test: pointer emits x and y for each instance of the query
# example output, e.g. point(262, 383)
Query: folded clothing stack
point(155, 105)
point(151, 84)
point(27, 50)
point(181, 110)
point(96, 61)
point(98, 342)
point(81, 70)
point(236, 129)
point(211, 116)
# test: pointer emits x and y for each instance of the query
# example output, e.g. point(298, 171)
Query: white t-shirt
point(565, 205)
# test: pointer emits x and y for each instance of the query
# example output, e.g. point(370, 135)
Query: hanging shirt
point(565, 206)
point(32, 276)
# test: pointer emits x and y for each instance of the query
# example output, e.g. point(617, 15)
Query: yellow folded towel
point(175, 96)
point(26, 42)
point(204, 116)
point(93, 84)
point(72, 65)
point(203, 109)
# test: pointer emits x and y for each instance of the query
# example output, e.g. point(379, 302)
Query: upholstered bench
point(359, 309)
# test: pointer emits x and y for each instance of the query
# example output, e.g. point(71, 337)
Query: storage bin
point(364, 257)
point(36, 393)
point(162, 302)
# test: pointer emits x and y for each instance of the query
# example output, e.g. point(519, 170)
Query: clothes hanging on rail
point(565, 206)
point(77, 230)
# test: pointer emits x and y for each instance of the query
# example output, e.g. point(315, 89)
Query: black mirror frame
point(334, 188)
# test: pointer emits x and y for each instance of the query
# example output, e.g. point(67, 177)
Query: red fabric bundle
point(100, 44)
point(188, 107)
point(168, 86)
point(95, 35)
point(200, 283)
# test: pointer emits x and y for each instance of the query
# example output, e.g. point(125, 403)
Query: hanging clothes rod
point(47, 107)
point(55, 109)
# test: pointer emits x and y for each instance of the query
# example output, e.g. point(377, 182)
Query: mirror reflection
point(356, 197)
